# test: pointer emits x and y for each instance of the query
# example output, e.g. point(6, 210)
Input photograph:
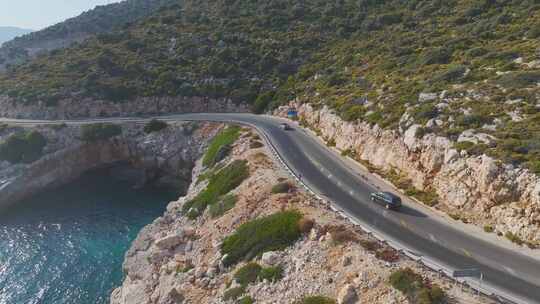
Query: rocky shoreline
point(164, 158)
point(474, 189)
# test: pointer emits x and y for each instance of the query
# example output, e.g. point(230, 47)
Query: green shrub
point(248, 273)
point(534, 166)
point(269, 233)
point(331, 142)
point(471, 148)
point(425, 112)
point(415, 288)
point(501, 55)
point(99, 131)
point(256, 145)
point(476, 52)
point(234, 293)
point(455, 216)
point(437, 294)
point(316, 300)
point(224, 138)
point(25, 147)
point(347, 152)
point(220, 183)
point(352, 112)
point(513, 238)
point(225, 204)
point(429, 197)
point(534, 32)
point(155, 125)
point(253, 272)
point(463, 145)
point(519, 79)
point(406, 280)
point(471, 120)
point(262, 102)
point(281, 188)
point(437, 56)
point(451, 74)
point(489, 228)
point(420, 132)
point(272, 274)
point(374, 118)
point(184, 268)
point(371, 246)
point(246, 300)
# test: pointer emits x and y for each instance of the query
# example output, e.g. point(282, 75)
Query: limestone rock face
point(426, 97)
point(165, 158)
point(271, 258)
point(479, 187)
point(170, 241)
point(89, 108)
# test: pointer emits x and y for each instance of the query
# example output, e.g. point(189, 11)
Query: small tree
point(25, 147)
point(155, 125)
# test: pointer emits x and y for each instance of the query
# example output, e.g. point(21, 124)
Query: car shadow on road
point(411, 212)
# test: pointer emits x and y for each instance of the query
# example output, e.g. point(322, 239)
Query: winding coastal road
point(513, 275)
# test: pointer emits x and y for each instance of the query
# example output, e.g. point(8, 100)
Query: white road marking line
point(510, 270)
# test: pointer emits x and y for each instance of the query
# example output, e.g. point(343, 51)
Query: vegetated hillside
point(98, 20)
point(369, 60)
point(9, 32)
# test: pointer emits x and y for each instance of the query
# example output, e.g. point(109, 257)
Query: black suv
point(390, 201)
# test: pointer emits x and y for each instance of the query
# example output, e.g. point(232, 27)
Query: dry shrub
point(305, 225)
point(369, 245)
point(388, 255)
point(341, 234)
point(256, 145)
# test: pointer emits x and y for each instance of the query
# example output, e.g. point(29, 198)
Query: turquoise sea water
point(68, 245)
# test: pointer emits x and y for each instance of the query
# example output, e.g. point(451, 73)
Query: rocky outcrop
point(178, 260)
point(165, 157)
point(90, 108)
point(478, 188)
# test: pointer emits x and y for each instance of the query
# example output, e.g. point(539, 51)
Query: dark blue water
point(67, 246)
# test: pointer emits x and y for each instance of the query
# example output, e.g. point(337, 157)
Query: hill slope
point(98, 20)
point(385, 62)
point(9, 32)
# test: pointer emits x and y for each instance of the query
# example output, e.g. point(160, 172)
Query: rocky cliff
point(89, 108)
point(475, 189)
point(164, 157)
point(179, 260)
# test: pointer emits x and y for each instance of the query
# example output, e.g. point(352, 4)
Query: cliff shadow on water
point(67, 244)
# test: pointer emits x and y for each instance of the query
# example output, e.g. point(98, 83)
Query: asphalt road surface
point(513, 274)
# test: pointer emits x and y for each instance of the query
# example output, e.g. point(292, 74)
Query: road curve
point(511, 273)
